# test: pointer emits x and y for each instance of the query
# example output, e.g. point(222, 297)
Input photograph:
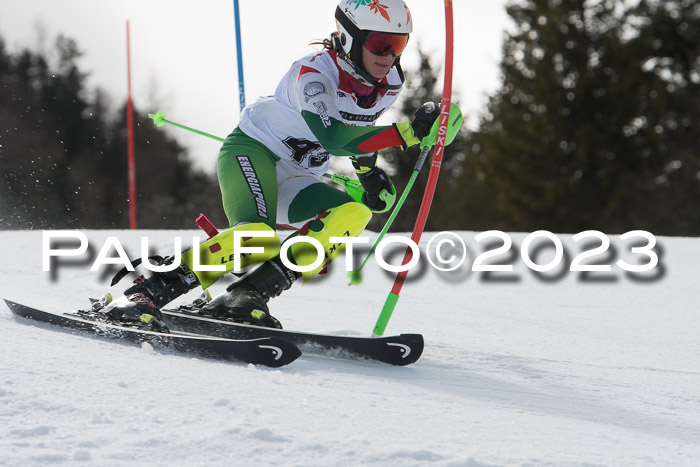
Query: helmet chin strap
point(373, 81)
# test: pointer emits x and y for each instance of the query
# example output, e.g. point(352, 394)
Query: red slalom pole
point(435, 165)
point(130, 137)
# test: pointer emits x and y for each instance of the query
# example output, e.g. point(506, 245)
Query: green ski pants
point(257, 186)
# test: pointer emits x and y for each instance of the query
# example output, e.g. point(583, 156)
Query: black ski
point(399, 350)
point(264, 350)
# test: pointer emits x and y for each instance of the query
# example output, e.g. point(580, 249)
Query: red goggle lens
point(383, 43)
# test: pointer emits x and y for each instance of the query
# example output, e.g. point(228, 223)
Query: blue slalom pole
point(241, 86)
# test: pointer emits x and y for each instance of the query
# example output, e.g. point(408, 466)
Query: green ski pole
point(356, 275)
point(160, 120)
point(445, 121)
point(353, 187)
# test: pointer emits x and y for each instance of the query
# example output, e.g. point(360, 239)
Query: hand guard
point(413, 132)
point(424, 118)
point(424, 128)
point(380, 193)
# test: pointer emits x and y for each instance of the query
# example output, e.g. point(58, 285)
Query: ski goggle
point(384, 43)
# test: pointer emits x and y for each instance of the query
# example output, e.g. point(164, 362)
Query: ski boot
point(135, 310)
point(140, 306)
point(245, 301)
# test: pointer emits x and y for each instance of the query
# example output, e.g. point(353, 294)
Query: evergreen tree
point(171, 192)
point(596, 119)
point(671, 41)
point(63, 154)
point(32, 159)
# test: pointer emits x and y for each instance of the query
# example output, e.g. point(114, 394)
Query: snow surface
point(519, 369)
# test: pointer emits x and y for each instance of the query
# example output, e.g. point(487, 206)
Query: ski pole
point(353, 187)
point(160, 120)
point(356, 275)
point(455, 119)
point(436, 163)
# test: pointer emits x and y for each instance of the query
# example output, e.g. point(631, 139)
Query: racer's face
point(377, 65)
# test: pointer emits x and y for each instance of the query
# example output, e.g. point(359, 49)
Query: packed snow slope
point(559, 368)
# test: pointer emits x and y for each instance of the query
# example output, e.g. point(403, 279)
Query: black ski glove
point(374, 180)
point(424, 118)
point(413, 132)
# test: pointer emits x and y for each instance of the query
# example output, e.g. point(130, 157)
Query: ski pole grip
point(206, 225)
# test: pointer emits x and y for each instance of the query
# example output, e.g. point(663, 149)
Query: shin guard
point(347, 220)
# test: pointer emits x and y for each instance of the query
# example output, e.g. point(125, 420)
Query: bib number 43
point(307, 153)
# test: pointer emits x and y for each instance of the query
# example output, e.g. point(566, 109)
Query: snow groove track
point(563, 372)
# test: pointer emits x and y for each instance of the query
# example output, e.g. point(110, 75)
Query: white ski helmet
point(358, 19)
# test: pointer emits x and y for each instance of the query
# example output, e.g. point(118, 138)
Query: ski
point(398, 350)
point(263, 350)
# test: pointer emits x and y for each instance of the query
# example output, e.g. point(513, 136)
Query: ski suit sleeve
point(317, 101)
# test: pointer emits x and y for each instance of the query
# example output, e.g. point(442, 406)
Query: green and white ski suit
point(270, 167)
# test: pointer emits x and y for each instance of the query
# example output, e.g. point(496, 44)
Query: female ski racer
point(270, 167)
